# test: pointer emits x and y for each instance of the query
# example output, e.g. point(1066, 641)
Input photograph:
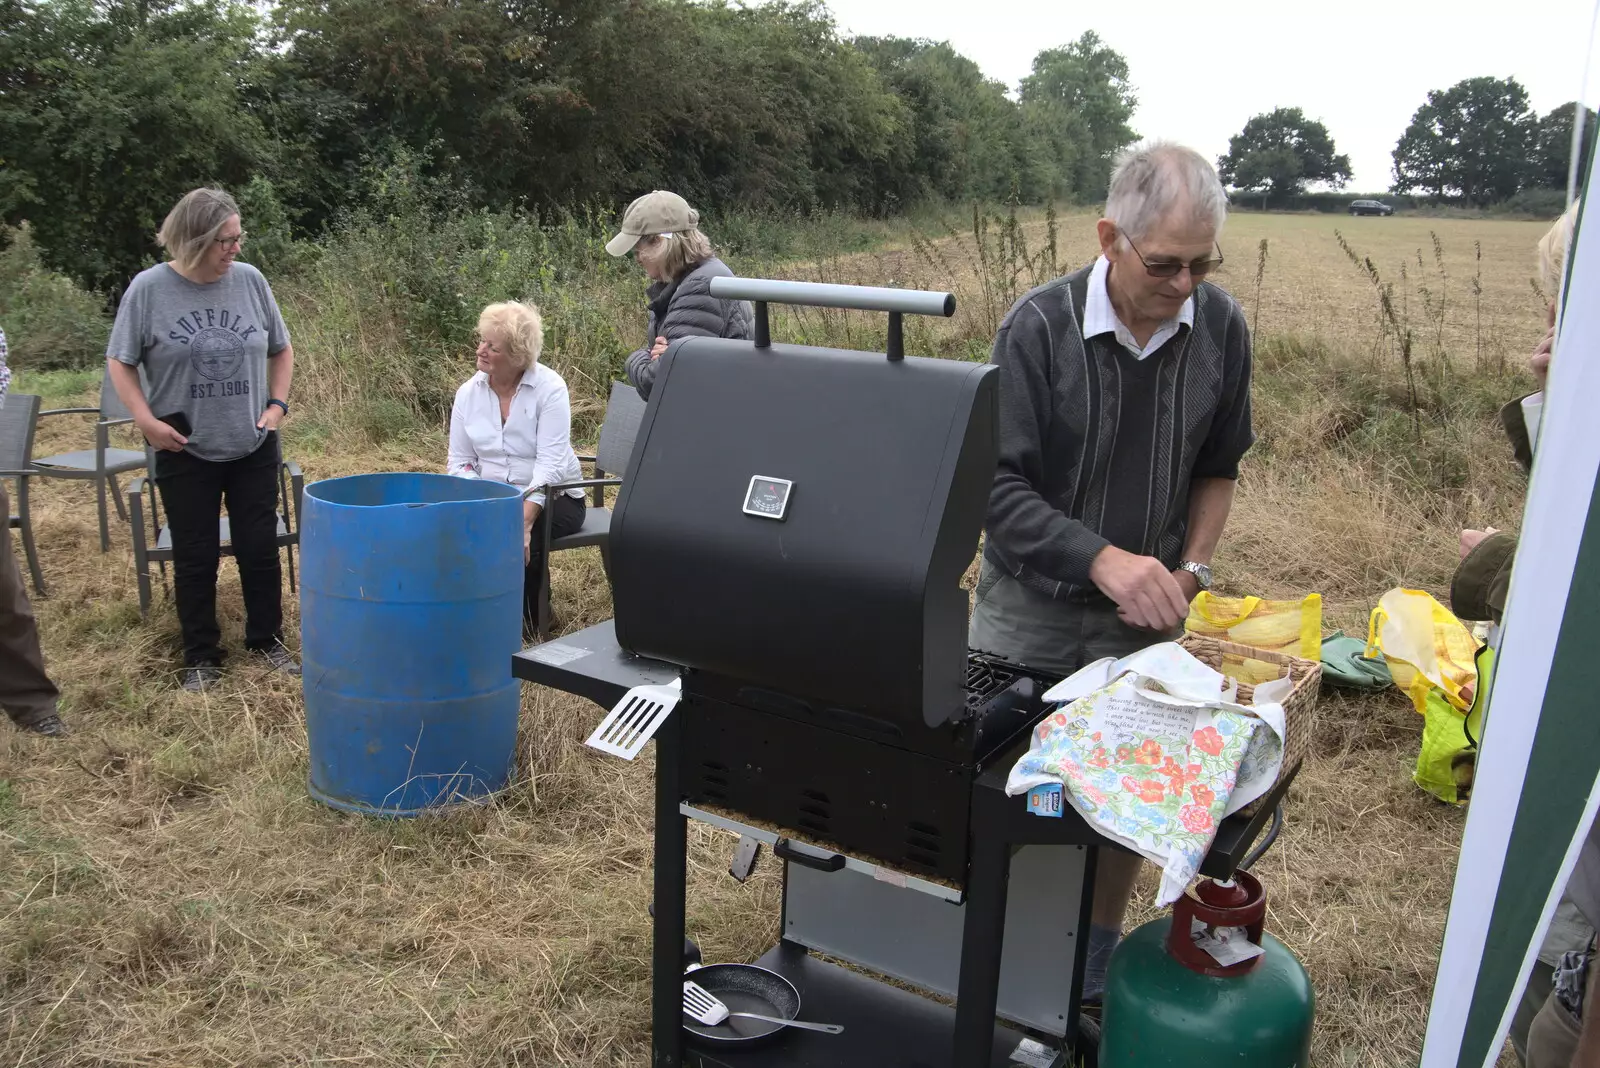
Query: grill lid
point(799, 519)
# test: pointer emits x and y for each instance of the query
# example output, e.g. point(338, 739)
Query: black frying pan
point(743, 988)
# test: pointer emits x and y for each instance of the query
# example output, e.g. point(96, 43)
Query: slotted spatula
point(705, 1007)
point(636, 718)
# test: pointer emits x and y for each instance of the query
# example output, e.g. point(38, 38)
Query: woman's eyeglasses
point(233, 242)
point(1171, 268)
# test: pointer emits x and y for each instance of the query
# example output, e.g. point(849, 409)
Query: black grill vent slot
point(816, 812)
point(924, 844)
point(714, 780)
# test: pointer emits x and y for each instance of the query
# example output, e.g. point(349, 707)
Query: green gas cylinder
point(1169, 1003)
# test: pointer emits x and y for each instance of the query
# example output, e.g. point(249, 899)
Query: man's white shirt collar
point(1100, 317)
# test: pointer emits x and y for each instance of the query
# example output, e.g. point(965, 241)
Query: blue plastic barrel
point(410, 612)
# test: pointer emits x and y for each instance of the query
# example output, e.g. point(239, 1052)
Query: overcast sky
point(1200, 70)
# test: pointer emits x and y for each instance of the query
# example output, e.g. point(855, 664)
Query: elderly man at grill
point(512, 422)
point(1124, 413)
point(663, 233)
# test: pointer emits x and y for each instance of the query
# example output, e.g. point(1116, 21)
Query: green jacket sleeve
point(1478, 590)
point(1516, 429)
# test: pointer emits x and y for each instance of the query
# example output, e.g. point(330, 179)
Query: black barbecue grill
point(790, 542)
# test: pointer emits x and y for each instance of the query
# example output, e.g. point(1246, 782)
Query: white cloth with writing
point(1155, 751)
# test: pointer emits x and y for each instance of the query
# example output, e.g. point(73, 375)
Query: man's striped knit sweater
point(1099, 448)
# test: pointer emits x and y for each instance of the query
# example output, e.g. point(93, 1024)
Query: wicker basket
point(1298, 710)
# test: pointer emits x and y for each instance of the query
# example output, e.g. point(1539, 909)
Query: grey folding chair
point(624, 409)
point(102, 463)
point(18, 419)
point(157, 545)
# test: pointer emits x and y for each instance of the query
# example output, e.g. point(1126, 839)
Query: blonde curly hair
point(1553, 250)
point(519, 324)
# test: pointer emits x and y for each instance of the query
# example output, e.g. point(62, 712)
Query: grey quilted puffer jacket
point(685, 308)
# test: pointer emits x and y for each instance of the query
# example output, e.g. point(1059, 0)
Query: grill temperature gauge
point(768, 497)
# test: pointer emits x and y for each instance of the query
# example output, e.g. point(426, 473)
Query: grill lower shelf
point(884, 1026)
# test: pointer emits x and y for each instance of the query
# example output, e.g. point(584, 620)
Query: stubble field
point(170, 896)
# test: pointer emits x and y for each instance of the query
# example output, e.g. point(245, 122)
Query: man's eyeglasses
point(1170, 268)
point(235, 242)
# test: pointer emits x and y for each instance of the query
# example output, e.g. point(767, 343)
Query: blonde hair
point(1553, 251)
point(519, 324)
point(681, 250)
point(193, 224)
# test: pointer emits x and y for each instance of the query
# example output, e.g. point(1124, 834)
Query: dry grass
point(1308, 290)
point(170, 896)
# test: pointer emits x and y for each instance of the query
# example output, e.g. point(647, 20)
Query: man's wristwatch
point(279, 403)
point(1201, 573)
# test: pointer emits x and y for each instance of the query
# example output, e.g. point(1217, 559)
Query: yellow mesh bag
point(1291, 627)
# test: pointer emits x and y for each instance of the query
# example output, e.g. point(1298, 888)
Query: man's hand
point(1146, 593)
point(1539, 362)
point(658, 348)
point(161, 436)
point(270, 418)
point(527, 545)
point(1187, 582)
point(1470, 538)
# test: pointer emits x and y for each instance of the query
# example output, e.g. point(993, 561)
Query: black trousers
point(566, 517)
point(192, 492)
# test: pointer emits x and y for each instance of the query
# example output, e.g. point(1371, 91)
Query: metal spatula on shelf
point(636, 718)
point(703, 1006)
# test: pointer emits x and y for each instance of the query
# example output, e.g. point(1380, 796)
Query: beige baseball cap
point(659, 212)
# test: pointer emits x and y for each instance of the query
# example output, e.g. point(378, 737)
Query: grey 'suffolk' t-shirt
point(204, 349)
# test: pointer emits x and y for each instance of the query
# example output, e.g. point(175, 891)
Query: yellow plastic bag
point(1292, 627)
point(1433, 657)
point(1447, 760)
point(1425, 645)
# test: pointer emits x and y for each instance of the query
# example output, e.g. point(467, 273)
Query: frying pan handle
point(820, 862)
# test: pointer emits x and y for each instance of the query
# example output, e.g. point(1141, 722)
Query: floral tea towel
point(1154, 751)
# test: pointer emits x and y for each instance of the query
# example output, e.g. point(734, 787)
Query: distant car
point(1370, 207)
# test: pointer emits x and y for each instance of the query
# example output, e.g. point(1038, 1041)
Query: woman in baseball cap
point(663, 233)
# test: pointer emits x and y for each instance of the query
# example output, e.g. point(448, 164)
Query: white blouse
point(533, 447)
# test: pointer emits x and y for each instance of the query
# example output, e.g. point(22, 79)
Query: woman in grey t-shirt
point(216, 365)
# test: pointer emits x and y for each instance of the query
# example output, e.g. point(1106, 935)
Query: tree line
point(1477, 143)
point(308, 109)
point(111, 109)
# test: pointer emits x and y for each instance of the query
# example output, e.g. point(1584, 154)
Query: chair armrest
point(24, 473)
point(582, 484)
point(587, 459)
point(70, 411)
point(297, 481)
point(116, 422)
point(136, 517)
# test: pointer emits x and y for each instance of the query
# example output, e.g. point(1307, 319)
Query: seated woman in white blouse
point(512, 422)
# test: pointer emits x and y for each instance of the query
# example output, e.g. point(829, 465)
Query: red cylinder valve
point(1239, 903)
